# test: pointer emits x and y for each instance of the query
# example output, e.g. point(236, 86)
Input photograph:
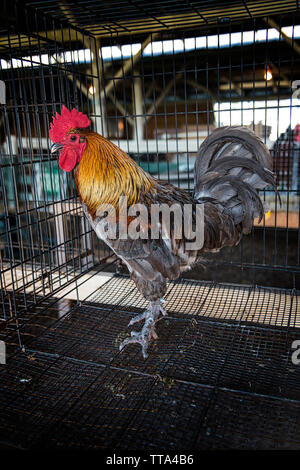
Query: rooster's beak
point(55, 148)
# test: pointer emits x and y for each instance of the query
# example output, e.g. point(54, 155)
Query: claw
point(141, 316)
point(147, 333)
point(134, 339)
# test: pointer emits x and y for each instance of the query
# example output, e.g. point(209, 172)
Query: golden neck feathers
point(105, 173)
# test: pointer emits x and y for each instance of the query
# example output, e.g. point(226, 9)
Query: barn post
point(99, 98)
point(138, 132)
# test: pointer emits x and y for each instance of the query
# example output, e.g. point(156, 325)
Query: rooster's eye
point(73, 138)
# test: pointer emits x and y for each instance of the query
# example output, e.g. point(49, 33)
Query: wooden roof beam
point(287, 39)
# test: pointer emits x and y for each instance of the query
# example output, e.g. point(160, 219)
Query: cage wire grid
point(221, 373)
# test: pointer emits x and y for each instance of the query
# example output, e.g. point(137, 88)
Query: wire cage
point(155, 79)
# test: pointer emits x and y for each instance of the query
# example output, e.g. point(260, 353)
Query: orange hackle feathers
point(106, 173)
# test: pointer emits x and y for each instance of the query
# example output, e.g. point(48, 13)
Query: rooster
point(232, 165)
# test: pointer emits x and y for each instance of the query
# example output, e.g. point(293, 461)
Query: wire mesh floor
point(220, 375)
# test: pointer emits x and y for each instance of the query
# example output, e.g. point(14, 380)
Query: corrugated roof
point(131, 17)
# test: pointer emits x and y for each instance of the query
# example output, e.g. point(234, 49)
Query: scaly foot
point(147, 333)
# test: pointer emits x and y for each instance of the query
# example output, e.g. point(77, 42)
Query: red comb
point(68, 120)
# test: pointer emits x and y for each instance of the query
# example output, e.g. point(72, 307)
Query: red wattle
point(67, 159)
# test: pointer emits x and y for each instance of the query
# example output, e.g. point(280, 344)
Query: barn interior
point(156, 79)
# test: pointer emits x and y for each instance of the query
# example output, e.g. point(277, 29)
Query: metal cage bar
point(156, 79)
point(156, 95)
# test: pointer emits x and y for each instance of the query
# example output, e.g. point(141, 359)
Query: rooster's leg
point(147, 333)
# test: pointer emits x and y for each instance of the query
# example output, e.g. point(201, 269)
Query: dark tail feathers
point(232, 165)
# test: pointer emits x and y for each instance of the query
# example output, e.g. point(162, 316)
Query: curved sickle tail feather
point(232, 165)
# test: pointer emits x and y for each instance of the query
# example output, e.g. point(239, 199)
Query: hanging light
point(91, 89)
point(268, 74)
